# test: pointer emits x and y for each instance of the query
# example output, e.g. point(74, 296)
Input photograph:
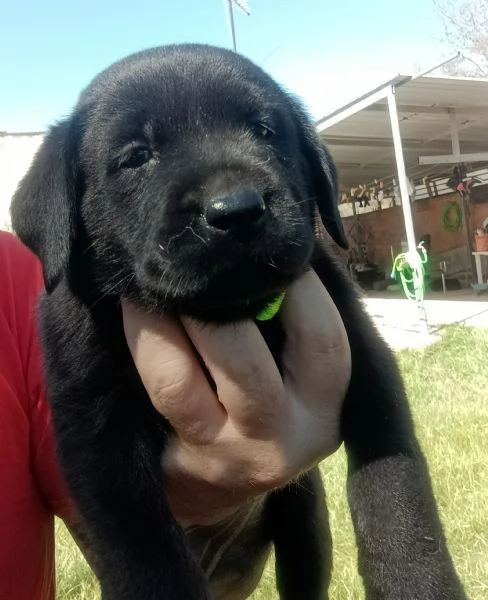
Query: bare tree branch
point(466, 29)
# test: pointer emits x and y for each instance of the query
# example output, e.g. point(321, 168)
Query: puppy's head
point(187, 179)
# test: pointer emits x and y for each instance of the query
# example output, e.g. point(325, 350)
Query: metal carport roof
point(411, 127)
point(359, 135)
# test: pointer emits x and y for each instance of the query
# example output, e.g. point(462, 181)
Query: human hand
point(259, 430)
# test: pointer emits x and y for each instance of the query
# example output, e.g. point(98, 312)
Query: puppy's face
point(195, 182)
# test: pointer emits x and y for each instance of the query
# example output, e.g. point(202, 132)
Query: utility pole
point(229, 8)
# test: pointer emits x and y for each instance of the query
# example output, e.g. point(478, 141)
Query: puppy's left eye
point(135, 157)
point(262, 130)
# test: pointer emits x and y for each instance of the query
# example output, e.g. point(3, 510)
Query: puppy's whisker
point(129, 281)
point(196, 234)
point(269, 261)
point(295, 222)
point(178, 235)
point(175, 237)
point(169, 286)
point(108, 291)
point(89, 247)
point(264, 162)
point(180, 284)
point(163, 273)
point(113, 278)
point(304, 201)
point(119, 283)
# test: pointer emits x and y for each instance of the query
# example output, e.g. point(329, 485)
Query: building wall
point(16, 154)
point(383, 229)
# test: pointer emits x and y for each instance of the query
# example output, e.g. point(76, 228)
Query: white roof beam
point(352, 109)
point(451, 159)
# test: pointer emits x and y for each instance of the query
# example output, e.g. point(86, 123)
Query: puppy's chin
point(211, 310)
point(225, 297)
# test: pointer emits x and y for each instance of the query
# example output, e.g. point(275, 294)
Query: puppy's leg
point(109, 443)
point(402, 549)
point(299, 526)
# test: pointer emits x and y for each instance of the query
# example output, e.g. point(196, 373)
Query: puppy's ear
point(44, 205)
point(327, 198)
point(323, 175)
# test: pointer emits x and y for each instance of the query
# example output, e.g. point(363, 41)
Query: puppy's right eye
point(135, 157)
point(262, 130)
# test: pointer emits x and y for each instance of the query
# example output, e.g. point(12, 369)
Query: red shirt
point(31, 486)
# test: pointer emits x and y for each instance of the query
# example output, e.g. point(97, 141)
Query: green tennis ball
point(271, 309)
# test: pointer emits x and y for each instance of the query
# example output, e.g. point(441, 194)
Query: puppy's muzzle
point(240, 209)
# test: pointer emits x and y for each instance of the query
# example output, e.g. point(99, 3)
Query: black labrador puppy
point(188, 181)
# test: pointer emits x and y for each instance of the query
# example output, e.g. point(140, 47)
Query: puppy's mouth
point(223, 309)
point(219, 287)
point(230, 295)
point(220, 274)
point(251, 308)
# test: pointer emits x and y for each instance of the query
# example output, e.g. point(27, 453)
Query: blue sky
point(328, 52)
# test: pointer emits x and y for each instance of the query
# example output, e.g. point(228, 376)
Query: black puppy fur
point(120, 202)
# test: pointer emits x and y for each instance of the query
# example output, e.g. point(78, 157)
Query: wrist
point(194, 502)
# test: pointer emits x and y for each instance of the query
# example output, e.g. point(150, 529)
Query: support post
point(466, 212)
point(455, 143)
point(356, 222)
point(465, 200)
point(402, 175)
point(402, 183)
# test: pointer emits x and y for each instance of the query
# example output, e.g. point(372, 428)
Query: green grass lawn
point(448, 390)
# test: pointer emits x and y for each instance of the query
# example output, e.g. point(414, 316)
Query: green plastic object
point(410, 271)
point(271, 309)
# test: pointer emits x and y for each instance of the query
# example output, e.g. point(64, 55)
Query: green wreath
point(452, 217)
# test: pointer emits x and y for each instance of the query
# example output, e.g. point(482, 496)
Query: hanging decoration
point(460, 182)
point(452, 217)
point(373, 194)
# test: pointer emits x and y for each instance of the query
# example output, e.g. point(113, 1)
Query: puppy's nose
point(240, 208)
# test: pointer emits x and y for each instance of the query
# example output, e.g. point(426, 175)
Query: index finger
point(170, 371)
point(248, 382)
point(316, 339)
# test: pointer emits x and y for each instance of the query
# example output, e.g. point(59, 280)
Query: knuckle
point(265, 480)
point(171, 385)
point(265, 421)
